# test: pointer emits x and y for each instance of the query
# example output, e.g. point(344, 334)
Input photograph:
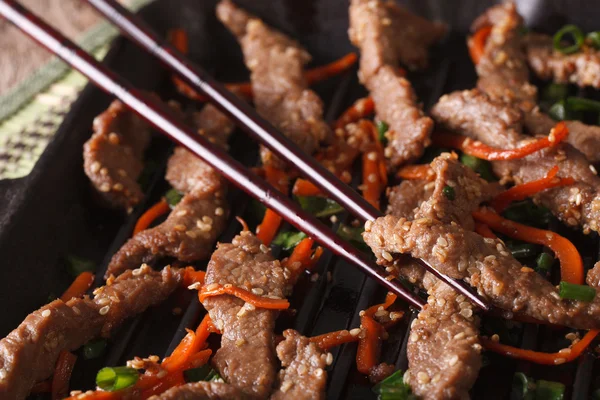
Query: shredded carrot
point(571, 264)
point(147, 218)
point(191, 344)
point(333, 339)
point(367, 353)
point(79, 286)
point(521, 192)
point(539, 357)
point(390, 298)
point(485, 231)
point(372, 187)
point(480, 150)
point(360, 109)
point(243, 223)
point(269, 226)
point(62, 374)
point(314, 258)
point(412, 172)
point(191, 276)
point(476, 43)
point(179, 39)
point(302, 187)
point(301, 255)
point(248, 297)
point(169, 381)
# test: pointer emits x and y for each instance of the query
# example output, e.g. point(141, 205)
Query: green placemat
point(32, 111)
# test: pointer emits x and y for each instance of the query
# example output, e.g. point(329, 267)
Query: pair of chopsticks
point(245, 117)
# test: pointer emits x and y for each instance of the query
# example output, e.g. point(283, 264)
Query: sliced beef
point(113, 155)
point(303, 374)
point(408, 195)
point(593, 276)
point(581, 68)
point(387, 35)
point(202, 391)
point(191, 229)
point(502, 68)
point(474, 114)
point(28, 354)
point(246, 358)
point(280, 91)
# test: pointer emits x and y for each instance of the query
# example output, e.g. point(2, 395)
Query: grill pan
point(53, 213)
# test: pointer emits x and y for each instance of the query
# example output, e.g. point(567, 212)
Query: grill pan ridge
point(53, 213)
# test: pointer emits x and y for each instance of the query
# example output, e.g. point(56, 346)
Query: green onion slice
point(521, 387)
point(393, 388)
point(555, 92)
point(204, 373)
point(288, 240)
point(94, 348)
point(593, 38)
point(116, 378)
point(572, 291)
point(382, 128)
point(77, 265)
point(449, 192)
point(544, 262)
point(482, 167)
point(576, 35)
point(319, 206)
point(173, 197)
point(581, 104)
point(548, 390)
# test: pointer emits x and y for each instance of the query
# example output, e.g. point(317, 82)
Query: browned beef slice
point(502, 69)
point(593, 276)
point(408, 195)
point(28, 354)
point(113, 155)
point(246, 358)
point(303, 374)
point(280, 91)
point(202, 391)
point(473, 114)
point(581, 68)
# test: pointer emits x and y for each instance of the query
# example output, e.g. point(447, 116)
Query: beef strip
point(202, 391)
point(404, 198)
point(581, 68)
point(593, 276)
point(474, 114)
point(113, 155)
point(246, 358)
point(387, 35)
point(280, 91)
point(28, 354)
point(191, 229)
point(303, 375)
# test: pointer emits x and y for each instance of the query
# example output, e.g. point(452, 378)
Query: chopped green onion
point(572, 291)
point(526, 388)
point(558, 111)
point(482, 167)
point(548, 390)
point(94, 348)
point(522, 387)
point(449, 192)
point(319, 206)
point(577, 38)
point(116, 378)
point(555, 92)
point(288, 240)
point(544, 262)
point(593, 38)
point(393, 388)
point(527, 213)
point(204, 373)
point(173, 197)
point(524, 250)
point(382, 128)
point(581, 104)
point(77, 265)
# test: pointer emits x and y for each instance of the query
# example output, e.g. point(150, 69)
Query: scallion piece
point(449, 192)
point(382, 128)
point(544, 262)
point(94, 348)
point(581, 104)
point(558, 111)
point(393, 388)
point(116, 378)
point(482, 167)
point(555, 92)
point(173, 197)
point(521, 387)
point(319, 206)
point(572, 291)
point(548, 390)
point(204, 373)
point(593, 38)
point(577, 38)
point(524, 250)
point(288, 240)
point(77, 265)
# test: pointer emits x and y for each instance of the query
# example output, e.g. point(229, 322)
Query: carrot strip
point(191, 276)
point(333, 339)
point(62, 374)
point(314, 258)
point(360, 109)
point(480, 150)
point(79, 286)
point(539, 357)
point(243, 223)
point(367, 353)
point(267, 229)
point(372, 186)
point(390, 298)
point(476, 43)
point(302, 187)
point(571, 265)
point(485, 231)
point(300, 257)
point(190, 345)
point(521, 192)
point(248, 297)
point(160, 208)
point(412, 172)
point(169, 381)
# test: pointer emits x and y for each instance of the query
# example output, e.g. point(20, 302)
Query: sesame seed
point(372, 156)
point(453, 360)
point(46, 313)
point(355, 331)
point(257, 291)
point(105, 187)
point(422, 377)
point(95, 167)
point(264, 248)
point(560, 361)
point(104, 310)
point(372, 178)
point(386, 255)
point(329, 359)
point(219, 211)
point(302, 369)
point(287, 385)
point(459, 336)
point(593, 169)
point(368, 225)
point(414, 337)
point(240, 342)
point(495, 337)
point(318, 372)
point(180, 227)
point(194, 285)
point(191, 234)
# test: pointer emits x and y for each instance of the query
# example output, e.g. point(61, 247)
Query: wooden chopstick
point(246, 117)
point(167, 122)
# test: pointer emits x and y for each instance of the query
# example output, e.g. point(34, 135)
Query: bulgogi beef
point(29, 353)
point(387, 35)
point(496, 124)
point(202, 391)
point(113, 155)
point(280, 90)
point(581, 68)
point(404, 198)
point(246, 358)
point(194, 224)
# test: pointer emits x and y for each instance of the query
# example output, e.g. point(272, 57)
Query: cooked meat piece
point(281, 94)
point(593, 276)
point(408, 195)
point(387, 35)
point(502, 68)
point(474, 114)
point(191, 229)
point(585, 138)
point(113, 155)
point(202, 391)
point(303, 374)
point(380, 372)
point(28, 354)
point(246, 358)
point(581, 68)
